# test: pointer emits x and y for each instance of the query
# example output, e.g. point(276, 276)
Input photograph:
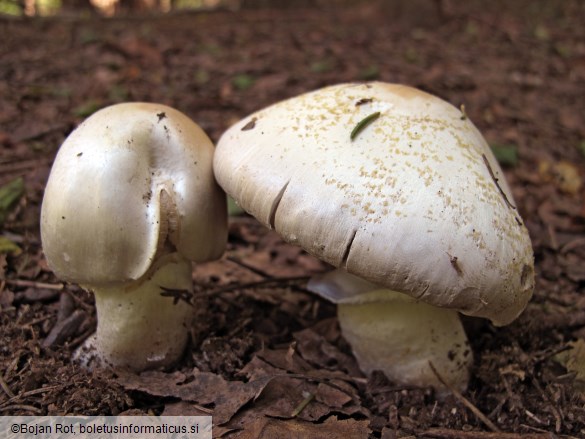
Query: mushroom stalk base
point(401, 337)
point(139, 328)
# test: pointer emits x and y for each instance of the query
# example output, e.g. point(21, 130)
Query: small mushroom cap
point(130, 180)
point(414, 201)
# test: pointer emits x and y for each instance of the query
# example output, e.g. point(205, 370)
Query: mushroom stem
point(397, 334)
point(401, 337)
point(139, 327)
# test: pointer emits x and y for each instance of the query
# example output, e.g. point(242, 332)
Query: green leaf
point(201, 76)
point(581, 147)
point(243, 81)
point(88, 36)
point(506, 154)
point(9, 8)
point(86, 109)
point(363, 123)
point(118, 93)
point(10, 193)
point(370, 73)
point(471, 28)
point(7, 246)
point(322, 66)
point(412, 56)
point(212, 49)
point(563, 50)
point(233, 208)
point(542, 33)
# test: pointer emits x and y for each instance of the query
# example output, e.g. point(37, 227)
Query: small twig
point(463, 113)
point(28, 408)
point(202, 409)
point(542, 430)
point(483, 418)
point(5, 387)
point(511, 396)
point(37, 321)
point(79, 301)
point(239, 327)
point(552, 235)
point(27, 394)
point(556, 412)
point(304, 403)
point(248, 267)
point(80, 339)
point(33, 284)
point(13, 364)
point(571, 245)
point(177, 295)
point(17, 238)
point(543, 356)
point(496, 181)
point(534, 417)
point(64, 329)
point(445, 433)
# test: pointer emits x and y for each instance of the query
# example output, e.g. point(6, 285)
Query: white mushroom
point(130, 202)
point(399, 188)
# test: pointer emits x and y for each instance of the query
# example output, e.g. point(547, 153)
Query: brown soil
point(261, 344)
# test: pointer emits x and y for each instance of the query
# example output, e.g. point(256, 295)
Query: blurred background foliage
point(110, 8)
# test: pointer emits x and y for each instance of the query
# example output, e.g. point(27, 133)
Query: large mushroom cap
point(131, 179)
point(414, 200)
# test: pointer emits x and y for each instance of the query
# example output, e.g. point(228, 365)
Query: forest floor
point(261, 344)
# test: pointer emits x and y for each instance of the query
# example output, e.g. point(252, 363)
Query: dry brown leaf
point(184, 408)
point(332, 428)
point(331, 396)
point(276, 258)
point(284, 397)
point(257, 368)
point(574, 361)
point(246, 228)
point(283, 360)
point(327, 391)
point(573, 267)
point(202, 387)
point(563, 174)
point(314, 348)
point(221, 273)
point(133, 46)
point(561, 214)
